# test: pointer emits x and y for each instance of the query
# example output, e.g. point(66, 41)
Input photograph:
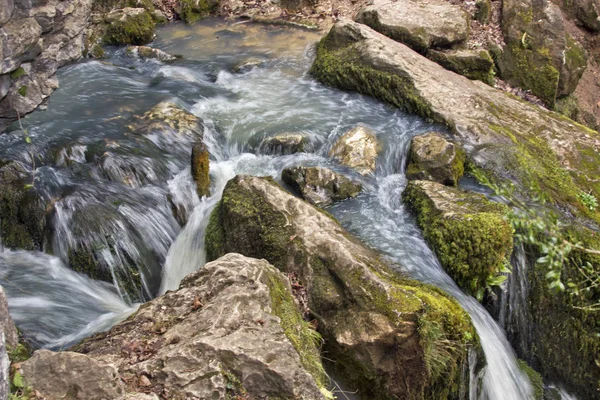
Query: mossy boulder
point(285, 143)
point(508, 138)
point(433, 158)
point(467, 232)
point(358, 148)
point(129, 26)
point(200, 169)
point(320, 186)
point(388, 336)
point(418, 24)
point(483, 11)
point(231, 330)
point(539, 55)
point(194, 10)
point(535, 378)
point(474, 64)
point(22, 209)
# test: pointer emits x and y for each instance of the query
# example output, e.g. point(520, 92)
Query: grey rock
point(218, 333)
point(474, 64)
point(434, 158)
point(363, 312)
point(11, 337)
point(6, 10)
point(4, 368)
point(19, 43)
point(70, 376)
point(146, 52)
point(285, 143)
point(588, 13)
point(418, 24)
point(320, 186)
point(358, 148)
point(4, 85)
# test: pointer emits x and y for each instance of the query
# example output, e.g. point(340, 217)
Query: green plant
point(588, 200)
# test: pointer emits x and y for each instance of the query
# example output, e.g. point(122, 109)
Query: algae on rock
point(129, 26)
point(389, 335)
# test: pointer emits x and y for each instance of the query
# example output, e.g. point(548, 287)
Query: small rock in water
point(357, 148)
point(433, 158)
point(247, 65)
point(285, 143)
point(320, 186)
point(146, 52)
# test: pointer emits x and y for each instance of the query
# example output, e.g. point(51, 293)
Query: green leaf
point(496, 280)
point(18, 381)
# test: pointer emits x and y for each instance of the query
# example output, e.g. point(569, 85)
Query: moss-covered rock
point(129, 26)
point(535, 378)
point(200, 169)
point(474, 64)
point(193, 10)
point(389, 336)
point(22, 209)
point(505, 136)
point(483, 11)
point(320, 186)
point(467, 232)
point(433, 158)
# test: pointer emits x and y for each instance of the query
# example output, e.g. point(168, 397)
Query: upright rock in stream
point(200, 169)
point(231, 329)
point(386, 334)
point(358, 148)
point(434, 158)
point(320, 186)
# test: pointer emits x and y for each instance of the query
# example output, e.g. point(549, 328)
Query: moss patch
point(535, 378)
point(194, 10)
point(136, 29)
point(472, 241)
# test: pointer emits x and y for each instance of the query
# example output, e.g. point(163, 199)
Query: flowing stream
point(113, 192)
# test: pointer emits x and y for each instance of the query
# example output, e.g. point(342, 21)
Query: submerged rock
point(358, 148)
point(200, 169)
point(231, 329)
point(167, 124)
point(433, 158)
point(467, 232)
point(474, 64)
point(383, 331)
point(285, 143)
point(508, 137)
point(149, 52)
point(320, 186)
point(418, 24)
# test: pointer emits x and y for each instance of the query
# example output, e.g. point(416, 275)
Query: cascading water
point(114, 193)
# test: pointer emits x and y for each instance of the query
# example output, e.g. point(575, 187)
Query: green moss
point(303, 337)
point(568, 106)
point(343, 69)
point(200, 169)
point(17, 73)
point(535, 378)
point(135, 29)
point(214, 241)
point(193, 10)
point(22, 218)
point(574, 54)
point(479, 66)
point(97, 51)
point(83, 260)
point(472, 247)
point(483, 11)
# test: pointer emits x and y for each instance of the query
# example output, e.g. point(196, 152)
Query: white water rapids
point(121, 206)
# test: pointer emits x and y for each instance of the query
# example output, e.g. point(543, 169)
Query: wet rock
point(145, 52)
point(418, 24)
point(247, 65)
point(231, 329)
point(70, 376)
point(167, 125)
point(22, 210)
point(194, 10)
point(434, 158)
point(358, 148)
point(320, 186)
point(285, 143)
point(4, 368)
point(374, 321)
point(588, 13)
point(7, 326)
point(474, 64)
point(505, 136)
point(129, 26)
point(539, 55)
point(200, 169)
point(467, 232)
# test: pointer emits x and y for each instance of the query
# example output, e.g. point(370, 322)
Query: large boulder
point(320, 186)
point(474, 64)
point(539, 55)
point(384, 332)
point(418, 24)
point(129, 26)
point(231, 329)
point(358, 148)
point(433, 158)
point(467, 232)
point(507, 137)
